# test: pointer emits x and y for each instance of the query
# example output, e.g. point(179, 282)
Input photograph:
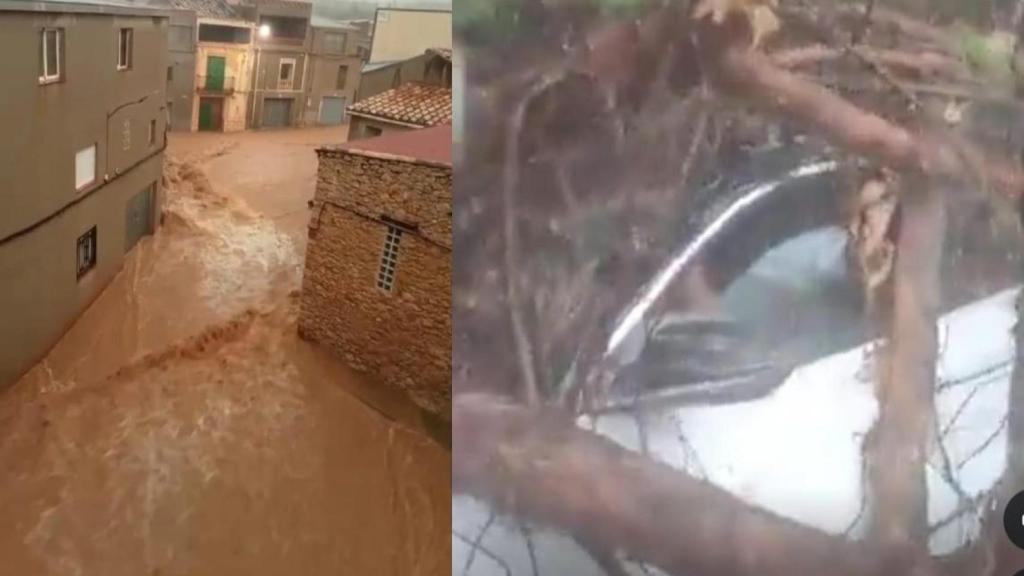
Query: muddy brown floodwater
point(181, 427)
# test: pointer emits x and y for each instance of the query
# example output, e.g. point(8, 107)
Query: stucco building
point(401, 33)
point(334, 72)
point(224, 65)
point(181, 69)
point(377, 283)
point(433, 67)
point(411, 106)
point(283, 42)
point(81, 178)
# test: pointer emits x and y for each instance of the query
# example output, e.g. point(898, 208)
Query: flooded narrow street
point(181, 426)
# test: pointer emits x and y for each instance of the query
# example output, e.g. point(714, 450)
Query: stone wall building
point(377, 284)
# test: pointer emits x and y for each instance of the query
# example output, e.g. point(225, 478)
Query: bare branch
point(477, 546)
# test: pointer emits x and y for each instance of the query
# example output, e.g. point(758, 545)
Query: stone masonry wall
point(401, 338)
point(414, 193)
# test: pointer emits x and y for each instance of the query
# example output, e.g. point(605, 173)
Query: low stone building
point(377, 284)
point(411, 106)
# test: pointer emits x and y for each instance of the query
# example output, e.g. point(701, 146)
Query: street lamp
point(264, 31)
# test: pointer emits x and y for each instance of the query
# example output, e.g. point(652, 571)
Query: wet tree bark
point(755, 78)
point(535, 463)
point(906, 388)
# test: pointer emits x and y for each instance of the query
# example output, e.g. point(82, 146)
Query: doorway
point(277, 112)
point(215, 66)
point(211, 114)
point(332, 110)
point(139, 217)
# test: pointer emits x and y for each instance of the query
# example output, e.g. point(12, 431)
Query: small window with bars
point(389, 259)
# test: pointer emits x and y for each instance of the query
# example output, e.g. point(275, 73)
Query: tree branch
point(538, 464)
point(753, 76)
point(906, 392)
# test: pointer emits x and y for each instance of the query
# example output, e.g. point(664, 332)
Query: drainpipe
point(255, 90)
point(302, 88)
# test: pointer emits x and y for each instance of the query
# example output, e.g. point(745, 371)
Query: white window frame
point(123, 33)
point(79, 186)
point(46, 77)
point(291, 77)
point(388, 266)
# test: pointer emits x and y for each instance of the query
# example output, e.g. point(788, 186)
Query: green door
point(205, 114)
point(139, 217)
point(215, 72)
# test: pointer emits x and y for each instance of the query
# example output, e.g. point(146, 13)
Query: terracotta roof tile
point(412, 103)
point(207, 8)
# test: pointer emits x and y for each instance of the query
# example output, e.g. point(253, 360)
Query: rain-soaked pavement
point(181, 427)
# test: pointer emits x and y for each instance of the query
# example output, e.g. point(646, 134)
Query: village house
point(224, 64)
point(411, 106)
point(81, 181)
point(334, 72)
point(181, 69)
point(433, 67)
point(377, 283)
point(283, 42)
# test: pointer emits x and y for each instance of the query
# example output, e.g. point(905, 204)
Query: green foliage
point(989, 55)
point(497, 19)
point(489, 19)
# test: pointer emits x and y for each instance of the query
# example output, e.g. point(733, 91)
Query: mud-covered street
point(181, 426)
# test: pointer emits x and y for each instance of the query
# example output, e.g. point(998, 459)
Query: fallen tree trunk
point(906, 387)
point(754, 77)
point(536, 464)
point(902, 62)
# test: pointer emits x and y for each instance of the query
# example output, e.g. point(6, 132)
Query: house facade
point(224, 66)
point(333, 74)
point(411, 106)
point(433, 67)
point(402, 33)
point(377, 283)
point(181, 69)
point(283, 42)
point(82, 181)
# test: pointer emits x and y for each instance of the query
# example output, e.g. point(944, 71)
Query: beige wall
point(401, 34)
point(239, 64)
point(401, 338)
point(53, 122)
point(323, 81)
point(383, 79)
point(357, 127)
point(41, 295)
point(323, 74)
point(93, 104)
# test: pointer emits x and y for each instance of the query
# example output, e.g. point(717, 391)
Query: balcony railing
point(282, 40)
point(216, 84)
